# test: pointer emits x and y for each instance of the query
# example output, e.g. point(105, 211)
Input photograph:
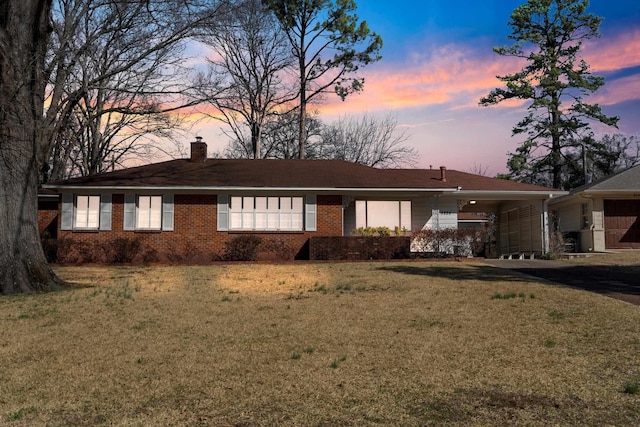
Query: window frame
point(258, 213)
point(584, 216)
point(88, 211)
point(149, 211)
point(404, 213)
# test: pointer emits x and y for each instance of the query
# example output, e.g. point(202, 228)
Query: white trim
point(261, 189)
point(491, 194)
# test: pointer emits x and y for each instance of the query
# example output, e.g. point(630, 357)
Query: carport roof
point(627, 180)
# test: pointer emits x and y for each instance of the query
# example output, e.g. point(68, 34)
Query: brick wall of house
point(195, 237)
point(47, 218)
point(359, 247)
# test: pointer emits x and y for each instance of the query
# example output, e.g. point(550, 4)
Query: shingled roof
point(288, 174)
point(626, 180)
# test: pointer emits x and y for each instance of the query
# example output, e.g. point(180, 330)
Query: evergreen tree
point(549, 34)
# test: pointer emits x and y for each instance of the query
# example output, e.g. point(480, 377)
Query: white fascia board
point(632, 193)
point(510, 195)
point(232, 189)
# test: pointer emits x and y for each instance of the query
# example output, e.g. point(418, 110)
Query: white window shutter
point(105, 211)
point(66, 213)
point(311, 212)
point(167, 212)
point(129, 212)
point(223, 212)
point(405, 214)
point(361, 214)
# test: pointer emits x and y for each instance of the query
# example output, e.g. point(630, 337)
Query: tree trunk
point(23, 40)
point(302, 122)
point(556, 147)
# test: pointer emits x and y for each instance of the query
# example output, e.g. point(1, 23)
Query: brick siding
point(195, 237)
point(47, 218)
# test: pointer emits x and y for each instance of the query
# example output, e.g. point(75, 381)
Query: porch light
point(473, 202)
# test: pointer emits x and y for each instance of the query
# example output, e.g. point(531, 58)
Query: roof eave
point(493, 194)
point(247, 188)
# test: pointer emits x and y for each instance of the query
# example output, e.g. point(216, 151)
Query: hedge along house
point(188, 209)
point(602, 215)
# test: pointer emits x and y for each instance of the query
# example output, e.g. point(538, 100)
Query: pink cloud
point(614, 53)
point(458, 76)
point(617, 91)
point(452, 74)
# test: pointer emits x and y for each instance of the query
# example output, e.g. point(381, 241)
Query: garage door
point(622, 224)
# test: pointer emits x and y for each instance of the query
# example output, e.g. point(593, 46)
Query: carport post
point(545, 224)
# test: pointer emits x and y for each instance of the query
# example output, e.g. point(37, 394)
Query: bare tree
point(479, 169)
point(591, 159)
point(279, 138)
point(114, 72)
point(329, 44)
point(23, 43)
point(27, 135)
point(248, 79)
point(366, 140)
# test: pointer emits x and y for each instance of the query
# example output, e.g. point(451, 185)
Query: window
point(584, 216)
point(387, 213)
point(149, 216)
point(146, 212)
point(266, 213)
point(87, 212)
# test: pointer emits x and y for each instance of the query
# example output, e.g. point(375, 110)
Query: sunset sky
point(438, 61)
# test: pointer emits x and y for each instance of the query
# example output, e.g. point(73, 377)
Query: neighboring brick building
point(189, 209)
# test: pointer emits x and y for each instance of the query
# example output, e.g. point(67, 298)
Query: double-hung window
point(87, 212)
point(266, 213)
point(149, 213)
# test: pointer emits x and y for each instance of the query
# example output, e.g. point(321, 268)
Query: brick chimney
point(443, 173)
point(198, 150)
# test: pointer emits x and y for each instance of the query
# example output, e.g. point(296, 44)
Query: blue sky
point(438, 61)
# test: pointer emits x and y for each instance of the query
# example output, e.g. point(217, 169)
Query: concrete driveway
point(616, 281)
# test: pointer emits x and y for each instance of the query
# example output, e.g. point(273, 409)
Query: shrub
point(451, 241)
point(50, 248)
point(279, 247)
point(556, 244)
point(118, 251)
point(121, 250)
point(242, 248)
point(71, 251)
point(150, 255)
point(372, 231)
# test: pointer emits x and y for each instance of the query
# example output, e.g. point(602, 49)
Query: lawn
point(406, 343)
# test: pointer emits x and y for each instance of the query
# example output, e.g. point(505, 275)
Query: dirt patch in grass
point(316, 344)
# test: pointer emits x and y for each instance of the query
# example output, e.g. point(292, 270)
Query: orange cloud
point(458, 76)
point(452, 74)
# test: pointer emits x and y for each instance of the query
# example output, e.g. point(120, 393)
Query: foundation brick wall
point(195, 237)
point(359, 248)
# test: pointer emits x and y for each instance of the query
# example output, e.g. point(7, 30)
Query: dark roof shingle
point(273, 173)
